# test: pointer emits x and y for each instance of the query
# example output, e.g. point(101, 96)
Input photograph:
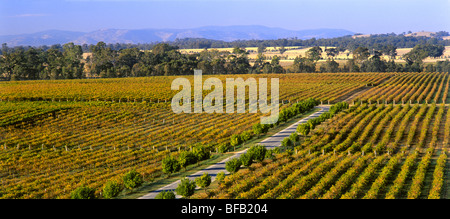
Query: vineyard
point(390, 143)
point(58, 135)
point(369, 151)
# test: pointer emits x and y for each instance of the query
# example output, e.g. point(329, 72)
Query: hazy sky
point(364, 16)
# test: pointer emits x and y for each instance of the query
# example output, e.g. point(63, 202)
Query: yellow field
point(287, 58)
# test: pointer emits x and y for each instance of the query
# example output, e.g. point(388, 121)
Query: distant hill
point(225, 33)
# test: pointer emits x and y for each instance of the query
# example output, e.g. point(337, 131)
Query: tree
point(265, 128)
point(72, 61)
point(132, 179)
point(257, 152)
point(103, 58)
point(331, 53)
point(235, 140)
point(201, 153)
point(203, 181)
point(303, 65)
point(303, 128)
point(233, 165)
point(282, 50)
point(185, 158)
point(294, 138)
point(259, 63)
point(314, 54)
point(161, 49)
point(170, 165)
point(165, 195)
point(246, 135)
point(246, 159)
point(330, 66)
point(257, 129)
point(286, 142)
point(361, 54)
point(224, 147)
point(186, 188)
point(374, 64)
point(261, 49)
point(238, 62)
point(220, 177)
point(351, 66)
point(390, 50)
point(111, 189)
point(83, 192)
point(275, 65)
point(414, 58)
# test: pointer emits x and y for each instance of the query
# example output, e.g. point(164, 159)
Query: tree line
point(67, 61)
point(366, 60)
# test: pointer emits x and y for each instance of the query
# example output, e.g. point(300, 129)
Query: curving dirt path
point(269, 143)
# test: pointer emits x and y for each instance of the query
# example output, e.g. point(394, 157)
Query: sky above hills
point(363, 16)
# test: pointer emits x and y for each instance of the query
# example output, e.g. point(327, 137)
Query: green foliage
point(185, 158)
point(246, 159)
point(233, 165)
point(246, 135)
point(186, 188)
point(257, 152)
point(220, 177)
point(203, 181)
point(83, 192)
point(286, 142)
point(170, 165)
point(257, 129)
point(165, 195)
point(304, 128)
point(338, 107)
point(224, 147)
point(235, 140)
point(314, 53)
point(201, 153)
point(361, 54)
point(111, 189)
point(132, 179)
point(294, 138)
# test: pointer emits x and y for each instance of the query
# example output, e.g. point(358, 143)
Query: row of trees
point(378, 42)
point(32, 64)
point(366, 60)
point(67, 62)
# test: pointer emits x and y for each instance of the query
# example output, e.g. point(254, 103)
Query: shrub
point(233, 165)
point(111, 189)
point(165, 195)
point(203, 181)
point(224, 147)
point(186, 188)
point(294, 137)
point(246, 159)
point(286, 142)
point(83, 192)
point(257, 152)
point(245, 136)
point(235, 140)
point(304, 128)
point(257, 129)
point(132, 179)
point(201, 153)
point(170, 165)
point(220, 177)
point(185, 158)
